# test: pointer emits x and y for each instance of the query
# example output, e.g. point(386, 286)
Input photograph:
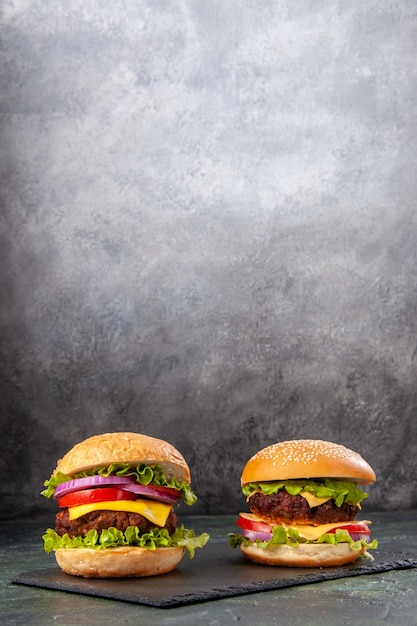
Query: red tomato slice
point(358, 527)
point(248, 524)
point(101, 494)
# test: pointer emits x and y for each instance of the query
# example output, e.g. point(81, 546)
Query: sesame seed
point(302, 451)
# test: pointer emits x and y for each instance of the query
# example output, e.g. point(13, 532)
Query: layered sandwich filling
point(117, 506)
point(303, 511)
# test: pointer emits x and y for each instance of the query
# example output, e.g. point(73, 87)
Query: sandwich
point(303, 499)
point(116, 494)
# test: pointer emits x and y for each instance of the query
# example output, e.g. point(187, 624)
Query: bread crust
point(304, 555)
point(124, 447)
point(119, 562)
point(307, 458)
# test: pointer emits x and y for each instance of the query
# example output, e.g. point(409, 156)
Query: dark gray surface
point(372, 599)
point(208, 233)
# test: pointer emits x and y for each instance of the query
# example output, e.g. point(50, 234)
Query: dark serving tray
point(217, 571)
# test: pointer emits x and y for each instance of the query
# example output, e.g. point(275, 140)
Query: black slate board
point(216, 572)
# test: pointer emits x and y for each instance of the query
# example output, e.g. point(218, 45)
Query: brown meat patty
point(283, 507)
point(105, 519)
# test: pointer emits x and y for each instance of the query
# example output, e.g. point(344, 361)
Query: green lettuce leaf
point(340, 491)
point(53, 482)
point(144, 474)
point(112, 537)
point(292, 537)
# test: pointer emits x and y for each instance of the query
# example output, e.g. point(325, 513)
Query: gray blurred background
point(208, 234)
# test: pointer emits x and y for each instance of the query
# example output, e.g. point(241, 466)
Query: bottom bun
point(304, 555)
point(119, 562)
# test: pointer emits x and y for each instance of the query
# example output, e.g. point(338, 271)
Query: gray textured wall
point(208, 233)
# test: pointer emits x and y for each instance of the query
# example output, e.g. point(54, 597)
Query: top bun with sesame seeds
point(307, 458)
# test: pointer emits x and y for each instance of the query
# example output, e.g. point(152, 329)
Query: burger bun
point(119, 562)
point(307, 458)
point(304, 555)
point(124, 447)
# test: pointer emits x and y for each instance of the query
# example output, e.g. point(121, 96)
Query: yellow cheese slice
point(306, 530)
point(155, 512)
point(314, 532)
point(312, 499)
